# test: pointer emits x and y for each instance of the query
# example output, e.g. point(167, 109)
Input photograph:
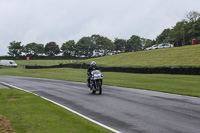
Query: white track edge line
point(73, 111)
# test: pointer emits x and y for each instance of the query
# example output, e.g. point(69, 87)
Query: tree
point(39, 49)
point(134, 44)
point(163, 37)
point(15, 49)
point(120, 44)
point(52, 49)
point(108, 45)
point(147, 43)
point(180, 33)
point(195, 30)
point(33, 49)
point(101, 43)
point(68, 48)
point(192, 16)
point(84, 47)
point(183, 32)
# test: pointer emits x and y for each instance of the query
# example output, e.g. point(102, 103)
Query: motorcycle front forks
point(91, 84)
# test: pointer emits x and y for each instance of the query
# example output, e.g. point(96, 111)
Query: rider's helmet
point(93, 64)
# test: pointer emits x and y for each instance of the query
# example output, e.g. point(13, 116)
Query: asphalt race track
point(123, 109)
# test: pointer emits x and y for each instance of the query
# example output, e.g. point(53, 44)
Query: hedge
point(146, 70)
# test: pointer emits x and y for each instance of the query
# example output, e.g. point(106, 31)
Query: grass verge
point(43, 62)
point(176, 84)
point(30, 113)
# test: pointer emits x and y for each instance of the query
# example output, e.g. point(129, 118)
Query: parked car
point(154, 46)
point(149, 48)
point(165, 45)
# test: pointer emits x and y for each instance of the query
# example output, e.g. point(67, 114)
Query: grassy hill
point(185, 56)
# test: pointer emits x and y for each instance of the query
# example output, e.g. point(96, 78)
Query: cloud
point(42, 21)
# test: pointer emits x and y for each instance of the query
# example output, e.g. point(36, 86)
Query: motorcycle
point(96, 79)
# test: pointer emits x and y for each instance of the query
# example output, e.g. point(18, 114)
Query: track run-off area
point(118, 109)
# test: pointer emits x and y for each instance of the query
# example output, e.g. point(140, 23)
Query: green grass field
point(43, 62)
point(169, 57)
point(31, 114)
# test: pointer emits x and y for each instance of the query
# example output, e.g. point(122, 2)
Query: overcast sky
point(42, 21)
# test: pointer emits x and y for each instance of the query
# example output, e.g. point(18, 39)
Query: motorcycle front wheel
point(99, 87)
point(92, 90)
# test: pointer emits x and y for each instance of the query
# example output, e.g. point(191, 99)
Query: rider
point(90, 69)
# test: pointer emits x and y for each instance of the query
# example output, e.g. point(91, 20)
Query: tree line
point(85, 47)
point(181, 34)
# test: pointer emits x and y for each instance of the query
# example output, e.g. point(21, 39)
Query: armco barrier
point(156, 70)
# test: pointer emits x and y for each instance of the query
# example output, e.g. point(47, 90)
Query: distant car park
point(160, 46)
